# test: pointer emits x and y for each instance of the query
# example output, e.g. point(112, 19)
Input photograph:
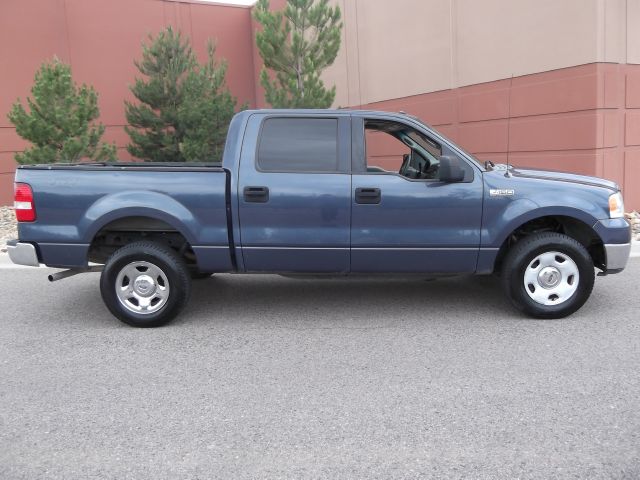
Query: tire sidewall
point(520, 262)
point(162, 260)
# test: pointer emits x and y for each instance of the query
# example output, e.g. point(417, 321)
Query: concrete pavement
point(267, 377)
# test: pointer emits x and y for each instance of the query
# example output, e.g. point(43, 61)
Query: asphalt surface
point(267, 377)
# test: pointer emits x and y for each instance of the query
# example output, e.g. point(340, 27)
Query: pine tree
point(60, 124)
point(296, 45)
point(184, 108)
point(206, 111)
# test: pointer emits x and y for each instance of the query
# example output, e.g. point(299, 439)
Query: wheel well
point(123, 231)
point(569, 226)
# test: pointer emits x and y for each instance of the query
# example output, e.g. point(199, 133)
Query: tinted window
point(299, 145)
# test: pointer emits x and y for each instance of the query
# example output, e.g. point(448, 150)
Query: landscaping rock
point(634, 219)
point(8, 227)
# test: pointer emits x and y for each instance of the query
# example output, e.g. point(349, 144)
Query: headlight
point(616, 206)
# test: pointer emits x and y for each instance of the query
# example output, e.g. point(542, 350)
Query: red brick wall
point(100, 39)
point(584, 119)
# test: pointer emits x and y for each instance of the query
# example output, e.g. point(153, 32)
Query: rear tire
point(548, 275)
point(145, 284)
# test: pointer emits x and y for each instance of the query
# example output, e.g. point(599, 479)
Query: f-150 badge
point(501, 192)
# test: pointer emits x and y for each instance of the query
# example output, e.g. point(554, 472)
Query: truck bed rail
point(110, 166)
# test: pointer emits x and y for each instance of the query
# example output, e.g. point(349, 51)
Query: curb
point(7, 264)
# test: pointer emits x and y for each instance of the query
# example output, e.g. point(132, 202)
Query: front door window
point(396, 148)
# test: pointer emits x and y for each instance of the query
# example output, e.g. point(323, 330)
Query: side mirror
point(450, 170)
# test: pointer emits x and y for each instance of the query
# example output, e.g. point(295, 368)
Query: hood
point(561, 177)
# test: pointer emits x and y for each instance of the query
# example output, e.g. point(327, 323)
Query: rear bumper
point(617, 256)
point(22, 253)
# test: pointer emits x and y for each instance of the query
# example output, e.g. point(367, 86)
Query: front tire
point(145, 284)
point(548, 275)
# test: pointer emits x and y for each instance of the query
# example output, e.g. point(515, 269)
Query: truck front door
point(404, 219)
point(294, 193)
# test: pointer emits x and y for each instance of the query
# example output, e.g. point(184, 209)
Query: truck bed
point(75, 202)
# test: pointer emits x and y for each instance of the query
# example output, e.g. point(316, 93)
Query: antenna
point(507, 174)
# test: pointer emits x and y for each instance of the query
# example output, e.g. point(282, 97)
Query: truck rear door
point(294, 193)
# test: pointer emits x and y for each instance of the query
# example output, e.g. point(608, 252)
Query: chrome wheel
point(142, 287)
point(551, 278)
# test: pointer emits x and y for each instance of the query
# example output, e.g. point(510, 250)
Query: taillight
point(23, 203)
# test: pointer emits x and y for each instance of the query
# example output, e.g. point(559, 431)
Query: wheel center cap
point(549, 277)
point(144, 285)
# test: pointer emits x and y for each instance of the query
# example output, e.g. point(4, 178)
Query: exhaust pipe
point(73, 271)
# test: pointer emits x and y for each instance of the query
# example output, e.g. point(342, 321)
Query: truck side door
point(404, 219)
point(294, 193)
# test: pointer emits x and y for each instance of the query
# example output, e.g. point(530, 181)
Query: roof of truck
point(379, 114)
point(329, 111)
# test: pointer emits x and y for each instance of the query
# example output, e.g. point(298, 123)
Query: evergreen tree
point(60, 124)
point(296, 45)
point(206, 111)
point(184, 108)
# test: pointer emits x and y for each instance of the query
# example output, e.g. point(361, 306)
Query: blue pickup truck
point(333, 192)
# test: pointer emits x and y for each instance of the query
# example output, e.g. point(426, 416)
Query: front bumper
point(22, 253)
point(617, 256)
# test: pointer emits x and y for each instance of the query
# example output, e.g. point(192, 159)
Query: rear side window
point(299, 145)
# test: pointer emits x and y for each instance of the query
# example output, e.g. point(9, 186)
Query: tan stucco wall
point(633, 32)
point(394, 49)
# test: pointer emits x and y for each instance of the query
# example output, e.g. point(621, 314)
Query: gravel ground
point(634, 219)
point(8, 229)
